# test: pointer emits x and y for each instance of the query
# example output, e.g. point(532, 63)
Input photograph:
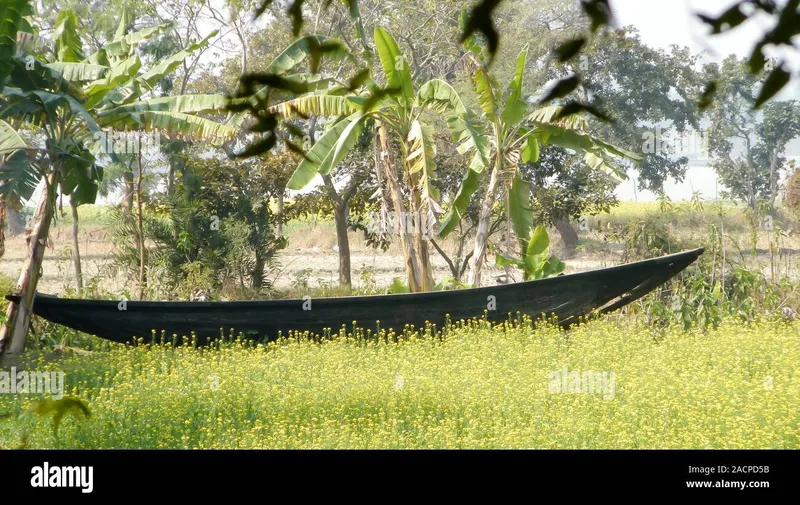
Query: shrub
point(793, 192)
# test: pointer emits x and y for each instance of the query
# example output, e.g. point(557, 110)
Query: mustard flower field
point(600, 385)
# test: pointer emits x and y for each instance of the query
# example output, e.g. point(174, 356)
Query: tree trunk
point(280, 214)
point(383, 155)
point(482, 236)
point(2, 226)
point(257, 276)
point(18, 315)
point(76, 252)
point(140, 224)
point(171, 175)
point(14, 221)
point(773, 178)
point(569, 237)
point(509, 246)
point(341, 213)
point(419, 226)
point(129, 190)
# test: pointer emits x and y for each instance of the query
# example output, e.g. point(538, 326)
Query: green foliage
point(7, 287)
point(643, 238)
point(214, 232)
point(618, 62)
point(398, 287)
point(60, 408)
point(765, 134)
point(565, 187)
point(536, 261)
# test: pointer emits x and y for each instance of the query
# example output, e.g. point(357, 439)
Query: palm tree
point(504, 136)
point(395, 110)
point(67, 104)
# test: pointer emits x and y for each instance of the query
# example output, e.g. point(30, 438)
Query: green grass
point(735, 387)
point(88, 215)
point(680, 214)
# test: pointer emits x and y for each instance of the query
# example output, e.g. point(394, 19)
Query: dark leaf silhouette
point(728, 20)
point(569, 49)
point(249, 82)
point(319, 49)
point(598, 11)
point(708, 95)
point(572, 108)
point(260, 147)
point(757, 59)
point(562, 88)
point(480, 20)
point(358, 80)
point(296, 13)
point(377, 95)
point(775, 82)
point(263, 7)
point(291, 146)
point(787, 27)
point(265, 124)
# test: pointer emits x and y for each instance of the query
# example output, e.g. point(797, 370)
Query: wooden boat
point(567, 297)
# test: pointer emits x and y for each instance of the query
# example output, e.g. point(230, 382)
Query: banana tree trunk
point(383, 155)
point(76, 252)
point(418, 226)
point(482, 234)
point(18, 316)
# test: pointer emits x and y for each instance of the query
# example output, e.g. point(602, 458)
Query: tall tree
point(396, 111)
point(748, 145)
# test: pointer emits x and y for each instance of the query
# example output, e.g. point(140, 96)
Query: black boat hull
point(567, 297)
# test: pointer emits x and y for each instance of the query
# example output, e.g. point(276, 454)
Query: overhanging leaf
point(457, 211)
point(539, 242)
point(515, 106)
point(519, 200)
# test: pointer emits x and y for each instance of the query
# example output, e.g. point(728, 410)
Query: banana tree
point(536, 261)
point(395, 111)
point(73, 105)
point(506, 135)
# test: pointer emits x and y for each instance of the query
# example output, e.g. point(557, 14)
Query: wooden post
point(76, 251)
point(142, 258)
